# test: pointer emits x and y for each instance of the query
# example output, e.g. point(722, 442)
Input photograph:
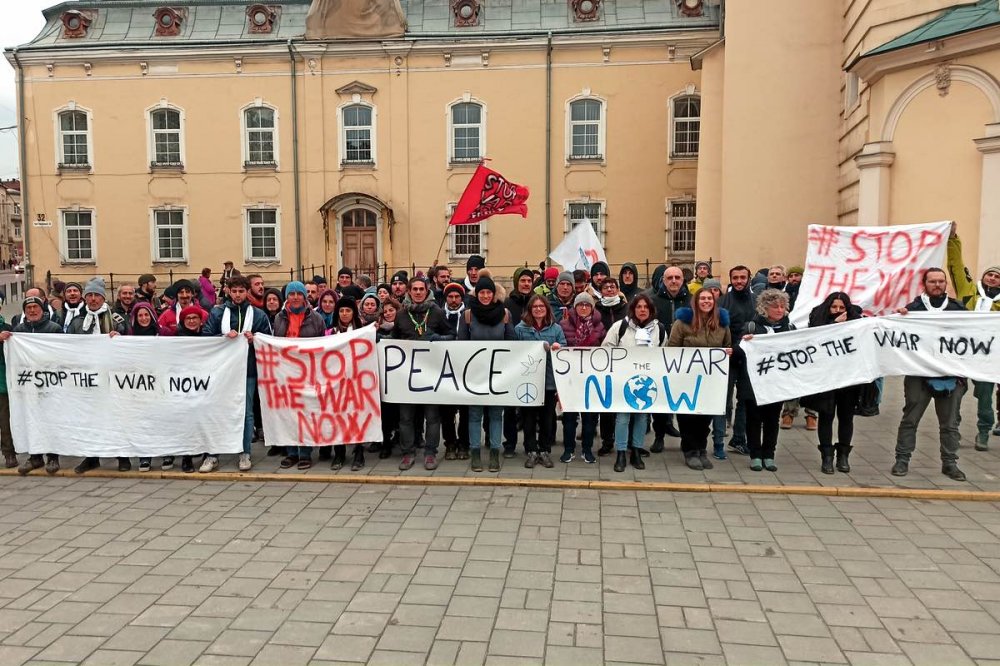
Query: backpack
point(623, 326)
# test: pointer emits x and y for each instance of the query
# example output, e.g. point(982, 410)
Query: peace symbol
point(526, 393)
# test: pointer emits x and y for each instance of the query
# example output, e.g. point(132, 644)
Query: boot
point(359, 458)
point(476, 460)
point(657, 446)
point(826, 456)
point(449, 451)
point(494, 460)
point(339, 456)
point(606, 448)
point(637, 459)
point(620, 461)
point(843, 451)
point(693, 460)
point(671, 429)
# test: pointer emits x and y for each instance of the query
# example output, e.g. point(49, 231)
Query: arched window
point(357, 134)
point(74, 140)
point(166, 139)
point(260, 136)
point(468, 136)
point(686, 115)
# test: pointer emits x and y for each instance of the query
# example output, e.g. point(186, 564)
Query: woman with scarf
point(328, 310)
point(762, 420)
point(347, 320)
point(272, 303)
point(640, 329)
point(142, 321)
point(485, 319)
point(297, 320)
point(370, 308)
point(538, 324)
point(192, 318)
point(839, 403)
point(704, 324)
point(390, 411)
point(583, 327)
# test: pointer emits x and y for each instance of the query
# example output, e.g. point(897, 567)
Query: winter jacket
point(515, 304)
point(44, 325)
point(629, 290)
point(109, 321)
point(571, 322)
point(741, 306)
point(551, 334)
point(470, 328)
point(559, 309)
point(667, 305)
point(312, 324)
point(966, 288)
point(168, 319)
point(623, 334)
point(612, 313)
point(759, 325)
point(209, 296)
point(683, 335)
point(260, 324)
point(436, 329)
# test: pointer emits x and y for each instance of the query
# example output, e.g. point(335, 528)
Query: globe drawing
point(640, 392)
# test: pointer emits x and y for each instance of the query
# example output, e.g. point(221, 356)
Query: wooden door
point(360, 237)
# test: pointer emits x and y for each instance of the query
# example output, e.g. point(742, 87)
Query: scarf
point(295, 318)
point(644, 333)
point(583, 329)
point(611, 301)
point(72, 312)
point(328, 318)
point(386, 326)
point(92, 320)
point(985, 301)
point(344, 328)
point(454, 317)
point(926, 300)
point(490, 315)
point(246, 326)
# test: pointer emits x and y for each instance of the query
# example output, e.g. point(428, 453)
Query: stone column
point(873, 163)
point(989, 206)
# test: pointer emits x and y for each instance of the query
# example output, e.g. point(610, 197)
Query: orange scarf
point(295, 320)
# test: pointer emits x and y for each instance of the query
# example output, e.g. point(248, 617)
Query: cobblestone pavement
point(174, 572)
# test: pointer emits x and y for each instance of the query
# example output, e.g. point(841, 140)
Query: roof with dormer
point(131, 22)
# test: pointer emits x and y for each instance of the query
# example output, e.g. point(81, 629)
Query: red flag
point(489, 194)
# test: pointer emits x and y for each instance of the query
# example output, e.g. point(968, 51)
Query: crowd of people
point(558, 308)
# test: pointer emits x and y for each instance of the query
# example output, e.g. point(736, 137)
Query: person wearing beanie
point(34, 319)
point(183, 293)
point(548, 285)
point(345, 284)
point(582, 327)
point(73, 304)
point(498, 290)
point(598, 272)
point(370, 308)
point(981, 295)
point(715, 284)
point(561, 300)
point(319, 281)
point(147, 289)
point(383, 291)
point(473, 265)
point(399, 285)
point(702, 272)
point(454, 418)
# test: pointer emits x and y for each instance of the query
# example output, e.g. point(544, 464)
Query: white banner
point(680, 380)
point(790, 365)
point(580, 249)
point(880, 267)
point(319, 391)
point(507, 373)
point(92, 395)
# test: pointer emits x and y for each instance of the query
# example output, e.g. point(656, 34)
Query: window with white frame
point(166, 128)
point(586, 126)
point(682, 226)
point(466, 240)
point(169, 235)
point(262, 234)
point(467, 132)
point(589, 212)
point(74, 139)
point(259, 128)
point(686, 114)
point(358, 134)
point(78, 237)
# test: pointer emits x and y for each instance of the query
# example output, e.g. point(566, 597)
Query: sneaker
point(124, 465)
point(900, 468)
point(531, 460)
point(739, 447)
point(449, 453)
point(810, 422)
point(145, 465)
point(167, 464)
point(210, 464)
point(545, 459)
point(996, 431)
point(719, 452)
point(86, 465)
point(244, 463)
point(983, 441)
point(430, 462)
point(769, 465)
point(566, 457)
point(588, 457)
point(52, 465)
point(786, 421)
point(756, 464)
point(952, 471)
point(32, 463)
point(304, 463)
point(187, 465)
point(406, 463)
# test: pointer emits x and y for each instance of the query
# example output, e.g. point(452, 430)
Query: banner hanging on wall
point(93, 395)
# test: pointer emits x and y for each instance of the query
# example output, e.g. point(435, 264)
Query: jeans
point(694, 432)
point(540, 425)
point(916, 397)
point(570, 419)
point(476, 426)
point(248, 420)
point(762, 428)
point(983, 392)
point(719, 431)
point(638, 430)
point(844, 402)
point(407, 432)
point(739, 413)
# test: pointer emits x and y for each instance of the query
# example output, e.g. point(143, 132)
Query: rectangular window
point(357, 134)
point(78, 235)
point(585, 212)
point(169, 231)
point(687, 126)
point(585, 125)
point(682, 226)
point(465, 239)
point(851, 92)
point(262, 234)
point(260, 136)
point(74, 132)
point(166, 137)
point(466, 125)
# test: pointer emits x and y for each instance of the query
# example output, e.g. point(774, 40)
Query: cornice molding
point(872, 68)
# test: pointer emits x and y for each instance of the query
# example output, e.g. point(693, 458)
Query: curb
point(562, 484)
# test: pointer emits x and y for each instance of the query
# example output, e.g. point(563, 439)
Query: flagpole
point(441, 246)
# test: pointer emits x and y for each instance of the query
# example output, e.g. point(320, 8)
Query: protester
point(613, 307)
point(383, 292)
point(142, 320)
point(548, 284)
point(628, 280)
point(369, 308)
point(312, 294)
point(126, 299)
point(348, 317)
point(184, 293)
point(327, 309)
point(6, 439)
point(668, 296)
point(763, 420)
point(209, 295)
point(702, 272)
point(345, 284)
point(272, 303)
point(741, 303)
point(192, 320)
point(399, 285)
point(599, 272)
point(538, 324)
point(485, 319)
point(561, 300)
point(256, 294)
point(523, 282)
point(320, 282)
point(232, 320)
point(582, 327)
point(581, 281)
point(777, 278)
point(981, 296)
point(73, 304)
point(946, 392)
point(441, 278)
point(640, 329)
point(385, 329)
point(455, 418)
point(147, 289)
point(473, 265)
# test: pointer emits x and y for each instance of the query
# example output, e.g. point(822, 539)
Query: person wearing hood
point(73, 304)
point(473, 265)
point(142, 320)
point(583, 327)
point(669, 296)
point(539, 325)
point(34, 320)
point(839, 403)
point(548, 284)
point(599, 272)
point(628, 280)
point(704, 324)
point(702, 272)
point(97, 319)
point(979, 296)
point(741, 304)
point(523, 281)
point(272, 303)
point(484, 320)
point(455, 418)
point(239, 321)
point(561, 300)
point(762, 420)
point(422, 319)
point(656, 278)
point(326, 307)
point(370, 308)
point(183, 292)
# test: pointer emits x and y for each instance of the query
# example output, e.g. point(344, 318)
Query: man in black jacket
point(669, 296)
point(946, 392)
point(742, 306)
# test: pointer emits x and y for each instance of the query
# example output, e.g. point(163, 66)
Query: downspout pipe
point(295, 159)
point(22, 150)
point(548, 146)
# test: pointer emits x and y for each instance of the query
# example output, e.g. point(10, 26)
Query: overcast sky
point(18, 27)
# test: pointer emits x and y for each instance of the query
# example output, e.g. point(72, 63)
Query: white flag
point(580, 249)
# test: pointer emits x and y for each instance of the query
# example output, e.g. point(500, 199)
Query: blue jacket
point(261, 324)
point(550, 334)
